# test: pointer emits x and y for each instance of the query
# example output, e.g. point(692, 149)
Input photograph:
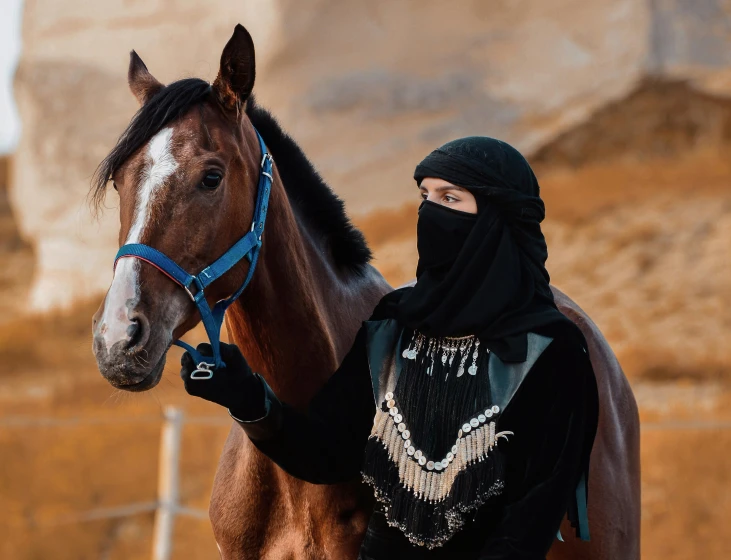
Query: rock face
point(368, 88)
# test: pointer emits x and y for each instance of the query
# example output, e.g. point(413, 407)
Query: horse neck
point(298, 316)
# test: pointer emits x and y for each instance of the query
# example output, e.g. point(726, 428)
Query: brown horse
point(186, 171)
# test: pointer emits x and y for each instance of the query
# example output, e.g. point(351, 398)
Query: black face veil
point(481, 274)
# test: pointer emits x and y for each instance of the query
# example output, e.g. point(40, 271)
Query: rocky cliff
point(367, 87)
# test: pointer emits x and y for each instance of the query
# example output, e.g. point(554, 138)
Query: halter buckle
point(205, 369)
point(198, 285)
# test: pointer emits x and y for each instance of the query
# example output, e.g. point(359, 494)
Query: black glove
point(235, 386)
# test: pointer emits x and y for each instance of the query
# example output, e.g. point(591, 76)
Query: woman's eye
point(449, 198)
point(211, 180)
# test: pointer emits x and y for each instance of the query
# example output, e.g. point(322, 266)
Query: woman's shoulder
point(567, 346)
point(564, 334)
point(562, 371)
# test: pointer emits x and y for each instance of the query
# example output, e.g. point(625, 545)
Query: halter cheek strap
point(247, 247)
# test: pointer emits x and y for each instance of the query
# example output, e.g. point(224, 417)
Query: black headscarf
point(480, 274)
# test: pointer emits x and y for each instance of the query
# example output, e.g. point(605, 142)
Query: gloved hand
point(235, 386)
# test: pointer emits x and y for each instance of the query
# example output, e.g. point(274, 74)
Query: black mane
point(309, 193)
point(321, 208)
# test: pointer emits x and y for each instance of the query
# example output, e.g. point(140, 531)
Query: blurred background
point(622, 106)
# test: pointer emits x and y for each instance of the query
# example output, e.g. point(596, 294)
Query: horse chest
point(258, 511)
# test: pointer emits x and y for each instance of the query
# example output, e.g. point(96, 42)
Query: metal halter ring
point(203, 368)
point(267, 156)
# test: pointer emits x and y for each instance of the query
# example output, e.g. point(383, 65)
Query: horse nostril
point(134, 332)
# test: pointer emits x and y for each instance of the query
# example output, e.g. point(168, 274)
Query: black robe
point(553, 414)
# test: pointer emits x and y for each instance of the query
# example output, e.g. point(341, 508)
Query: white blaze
point(160, 165)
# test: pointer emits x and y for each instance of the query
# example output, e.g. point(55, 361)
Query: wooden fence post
point(168, 480)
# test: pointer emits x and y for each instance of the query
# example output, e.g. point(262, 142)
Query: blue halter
point(246, 247)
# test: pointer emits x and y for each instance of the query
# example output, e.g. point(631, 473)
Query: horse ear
point(238, 69)
point(141, 82)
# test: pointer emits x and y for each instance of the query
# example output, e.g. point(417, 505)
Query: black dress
point(553, 414)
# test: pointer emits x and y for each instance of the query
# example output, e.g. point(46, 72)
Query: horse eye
point(211, 180)
point(115, 186)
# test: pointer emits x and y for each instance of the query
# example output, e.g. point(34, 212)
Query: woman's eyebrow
point(442, 188)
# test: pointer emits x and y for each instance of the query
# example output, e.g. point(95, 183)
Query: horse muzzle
point(128, 353)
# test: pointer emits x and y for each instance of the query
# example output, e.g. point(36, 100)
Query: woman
point(484, 396)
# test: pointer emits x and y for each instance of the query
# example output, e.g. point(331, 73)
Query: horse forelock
point(169, 104)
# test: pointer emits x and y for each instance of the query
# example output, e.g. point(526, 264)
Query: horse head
point(186, 171)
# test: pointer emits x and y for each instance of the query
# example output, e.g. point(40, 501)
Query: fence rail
point(686, 425)
point(167, 506)
point(39, 422)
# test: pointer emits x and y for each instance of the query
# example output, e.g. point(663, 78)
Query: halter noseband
point(246, 247)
